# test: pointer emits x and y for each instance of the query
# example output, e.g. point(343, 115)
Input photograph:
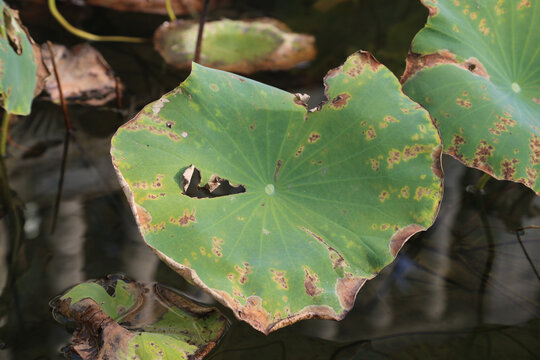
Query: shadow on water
point(463, 289)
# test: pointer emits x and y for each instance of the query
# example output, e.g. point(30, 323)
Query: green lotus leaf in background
point(18, 65)
point(121, 319)
point(235, 45)
point(476, 68)
point(330, 195)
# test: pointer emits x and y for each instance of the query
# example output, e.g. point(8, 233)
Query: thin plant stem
point(486, 275)
point(483, 181)
point(15, 223)
point(67, 136)
point(86, 35)
point(170, 10)
point(527, 255)
point(528, 227)
point(4, 135)
point(202, 20)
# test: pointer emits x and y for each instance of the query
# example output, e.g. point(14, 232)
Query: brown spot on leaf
point(157, 184)
point(534, 145)
point(524, 4)
point(421, 192)
point(466, 103)
point(417, 62)
point(457, 141)
point(299, 151)
point(436, 167)
point(311, 281)
point(370, 133)
point(532, 174)
point(243, 272)
point(254, 313)
point(278, 166)
point(185, 219)
point(139, 185)
point(374, 164)
point(480, 159)
point(335, 257)
point(340, 101)
point(405, 192)
point(509, 168)
point(394, 157)
point(280, 279)
point(346, 289)
point(155, 196)
point(413, 151)
point(216, 246)
point(143, 217)
point(384, 195)
point(401, 236)
point(314, 137)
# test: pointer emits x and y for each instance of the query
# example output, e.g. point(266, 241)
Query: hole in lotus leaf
point(13, 38)
point(216, 186)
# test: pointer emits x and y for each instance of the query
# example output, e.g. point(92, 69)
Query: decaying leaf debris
point(85, 75)
point(121, 319)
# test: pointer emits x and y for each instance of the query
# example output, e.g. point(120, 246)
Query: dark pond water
point(464, 289)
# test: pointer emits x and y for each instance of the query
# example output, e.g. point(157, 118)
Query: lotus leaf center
point(516, 88)
point(270, 189)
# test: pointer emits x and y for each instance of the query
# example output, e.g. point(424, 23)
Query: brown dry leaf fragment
point(85, 76)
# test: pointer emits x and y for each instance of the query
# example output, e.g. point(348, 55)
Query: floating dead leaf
point(118, 318)
point(85, 75)
point(233, 45)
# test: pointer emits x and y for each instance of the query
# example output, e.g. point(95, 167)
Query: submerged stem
point(67, 136)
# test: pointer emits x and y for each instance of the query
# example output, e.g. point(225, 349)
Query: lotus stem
point(202, 20)
point(170, 10)
point(4, 135)
point(86, 35)
point(483, 181)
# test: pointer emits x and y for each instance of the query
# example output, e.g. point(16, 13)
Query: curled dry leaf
point(121, 319)
point(85, 75)
point(233, 45)
point(180, 7)
point(329, 196)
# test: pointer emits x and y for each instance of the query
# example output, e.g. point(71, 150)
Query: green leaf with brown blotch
point(235, 45)
point(298, 209)
point(476, 68)
point(121, 319)
point(18, 65)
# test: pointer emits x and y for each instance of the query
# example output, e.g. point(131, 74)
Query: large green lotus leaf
point(235, 45)
point(122, 319)
point(18, 68)
point(330, 195)
point(476, 68)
